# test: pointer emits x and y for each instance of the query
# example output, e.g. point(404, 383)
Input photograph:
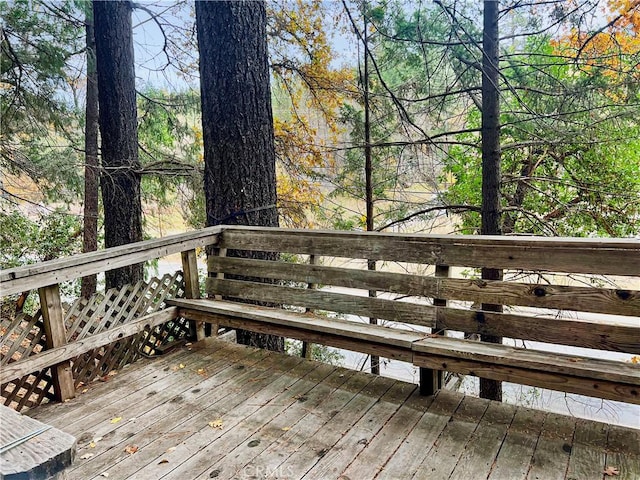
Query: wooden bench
point(413, 302)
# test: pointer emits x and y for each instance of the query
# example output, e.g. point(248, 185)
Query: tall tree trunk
point(237, 122)
point(490, 162)
point(120, 180)
point(90, 231)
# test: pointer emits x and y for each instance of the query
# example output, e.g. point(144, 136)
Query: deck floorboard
point(220, 410)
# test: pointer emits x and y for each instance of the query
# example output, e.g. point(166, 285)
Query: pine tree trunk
point(120, 180)
point(90, 230)
point(491, 211)
point(239, 151)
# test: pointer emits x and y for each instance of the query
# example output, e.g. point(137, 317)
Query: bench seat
point(588, 376)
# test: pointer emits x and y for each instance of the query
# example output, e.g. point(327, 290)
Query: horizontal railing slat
point(29, 277)
point(564, 255)
point(600, 335)
point(587, 299)
point(329, 301)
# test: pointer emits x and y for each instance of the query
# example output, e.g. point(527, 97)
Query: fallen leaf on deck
point(611, 471)
point(286, 429)
point(86, 455)
point(181, 365)
point(131, 449)
point(112, 373)
point(92, 445)
point(85, 390)
point(202, 371)
point(116, 419)
point(217, 423)
point(163, 461)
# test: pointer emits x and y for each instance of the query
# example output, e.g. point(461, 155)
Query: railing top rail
point(516, 240)
point(591, 256)
point(29, 277)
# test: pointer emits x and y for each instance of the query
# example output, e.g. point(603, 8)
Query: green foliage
point(40, 45)
point(571, 158)
point(24, 241)
point(170, 138)
point(320, 353)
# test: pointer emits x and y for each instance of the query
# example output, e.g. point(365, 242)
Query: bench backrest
point(549, 282)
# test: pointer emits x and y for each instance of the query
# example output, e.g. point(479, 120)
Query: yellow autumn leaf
point(217, 423)
point(116, 419)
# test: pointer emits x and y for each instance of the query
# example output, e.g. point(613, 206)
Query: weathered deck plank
point(188, 437)
point(289, 418)
point(514, 459)
point(553, 450)
point(405, 461)
point(443, 457)
point(151, 425)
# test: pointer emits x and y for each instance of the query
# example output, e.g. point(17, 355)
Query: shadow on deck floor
point(230, 412)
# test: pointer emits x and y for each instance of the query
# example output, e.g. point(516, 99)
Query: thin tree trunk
point(491, 211)
point(120, 180)
point(237, 123)
point(368, 172)
point(90, 231)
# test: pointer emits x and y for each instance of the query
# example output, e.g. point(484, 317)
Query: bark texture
point(490, 209)
point(120, 179)
point(237, 122)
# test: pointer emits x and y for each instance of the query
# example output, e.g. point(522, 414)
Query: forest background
point(569, 95)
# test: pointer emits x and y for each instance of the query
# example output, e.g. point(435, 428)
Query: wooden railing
point(422, 295)
point(93, 332)
point(546, 293)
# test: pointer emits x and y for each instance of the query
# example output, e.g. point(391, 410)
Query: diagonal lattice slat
point(24, 335)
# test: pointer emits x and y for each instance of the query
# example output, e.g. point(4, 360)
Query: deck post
point(56, 333)
point(192, 287)
point(307, 348)
point(433, 380)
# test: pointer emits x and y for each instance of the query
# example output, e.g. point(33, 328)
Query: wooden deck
point(226, 411)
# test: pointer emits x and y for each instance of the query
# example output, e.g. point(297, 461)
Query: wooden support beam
point(221, 253)
point(192, 288)
point(433, 380)
point(307, 348)
point(53, 317)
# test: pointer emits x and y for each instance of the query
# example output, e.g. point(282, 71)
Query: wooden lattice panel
point(24, 336)
point(117, 307)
